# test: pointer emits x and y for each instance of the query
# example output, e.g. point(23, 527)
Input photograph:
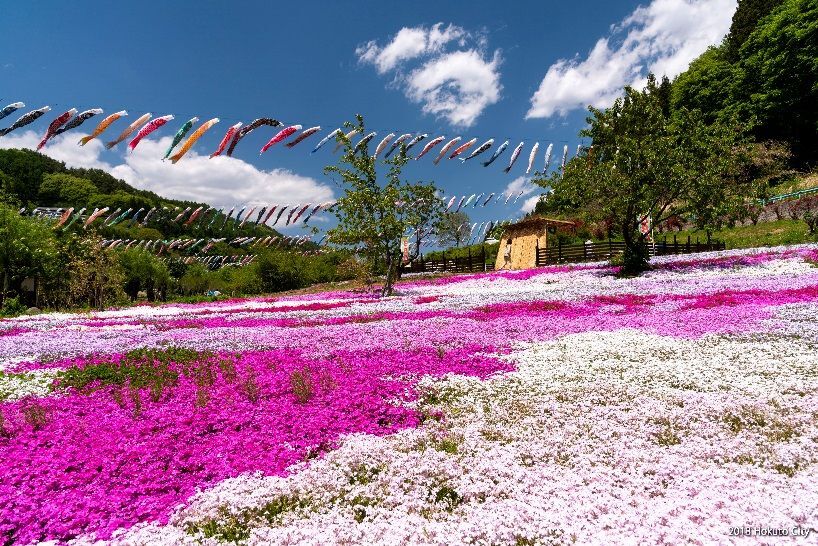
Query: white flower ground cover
point(666, 409)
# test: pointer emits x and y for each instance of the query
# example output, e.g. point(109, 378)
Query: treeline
point(764, 74)
point(29, 179)
point(52, 269)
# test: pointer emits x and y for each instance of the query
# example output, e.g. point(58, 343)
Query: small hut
point(520, 241)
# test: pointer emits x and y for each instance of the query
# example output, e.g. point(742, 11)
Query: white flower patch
point(14, 386)
point(597, 438)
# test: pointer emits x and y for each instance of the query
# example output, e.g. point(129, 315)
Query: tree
point(64, 189)
point(745, 20)
point(706, 85)
point(645, 164)
point(144, 271)
point(777, 77)
point(95, 277)
point(27, 249)
point(375, 211)
point(453, 228)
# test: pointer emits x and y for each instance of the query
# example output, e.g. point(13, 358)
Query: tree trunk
point(635, 258)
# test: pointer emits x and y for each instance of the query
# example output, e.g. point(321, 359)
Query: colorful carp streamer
point(228, 137)
point(100, 128)
point(463, 148)
point(305, 134)
point(364, 141)
point(431, 144)
point(128, 130)
point(397, 143)
point(532, 156)
point(78, 120)
point(480, 149)
point(64, 217)
point(147, 129)
point(564, 156)
point(11, 108)
point(285, 207)
point(383, 144)
point(197, 134)
point(496, 154)
point(244, 131)
point(180, 134)
point(415, 140)
point(449, 145)
point(548, 157)
point(281, 135)
point(451, 202)
point(349, 136)
point(94, 216)
point(25, 119)
point(326, 139)
point(514, 155)
point(61, 120)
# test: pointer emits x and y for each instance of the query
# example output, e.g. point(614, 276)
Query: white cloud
point(521, 183)
point(662, 37)
point(455, 83)
point(407, 44)
point(220, 181)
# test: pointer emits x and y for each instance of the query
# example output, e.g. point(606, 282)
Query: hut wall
point(524, 242)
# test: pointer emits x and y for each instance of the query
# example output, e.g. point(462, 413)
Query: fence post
point(688, 244)
point(470, 264)
point(559, 252)
point(444, 260)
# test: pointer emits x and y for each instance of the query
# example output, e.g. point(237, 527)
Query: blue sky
point(520, 71)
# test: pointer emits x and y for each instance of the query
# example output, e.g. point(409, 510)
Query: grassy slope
point(781, 232)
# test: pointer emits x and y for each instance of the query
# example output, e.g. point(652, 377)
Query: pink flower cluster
point(95, 466)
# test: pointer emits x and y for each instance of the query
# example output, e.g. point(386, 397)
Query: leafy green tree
point(26, 169)
point(706, 85)
point(65, 189)
point(745, 20)
point(375, 211)
point(777, 79)
point(95, 276)
point(27, 249)
point(144, 271)
point(195, 280)
point(645, 164)
point(453, 228)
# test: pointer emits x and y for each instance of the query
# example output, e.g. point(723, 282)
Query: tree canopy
point(644, 163)
point(377, 209)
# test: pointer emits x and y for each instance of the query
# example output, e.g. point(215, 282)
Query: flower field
point(554, 406)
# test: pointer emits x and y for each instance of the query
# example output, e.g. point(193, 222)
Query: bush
point(12, 307)
point(279, 271)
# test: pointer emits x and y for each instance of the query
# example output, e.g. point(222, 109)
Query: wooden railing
point(597, 252)
point(462, 264)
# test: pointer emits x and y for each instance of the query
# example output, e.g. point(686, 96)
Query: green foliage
point(745, 20)
point(195, 280)
point(12, 307)
point(279, 271)
point(376, 210)
point(65, 189)
point(705, 85)
point(144, 271)
point(27, 249)
point(95, 276)
point(765, 74)
point(453, 228)
point(645, 163)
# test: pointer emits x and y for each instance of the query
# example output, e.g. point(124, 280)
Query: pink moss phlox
point(94, 467)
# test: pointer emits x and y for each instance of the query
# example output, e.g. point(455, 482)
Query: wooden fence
point(597, 252)
point(463, 264)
